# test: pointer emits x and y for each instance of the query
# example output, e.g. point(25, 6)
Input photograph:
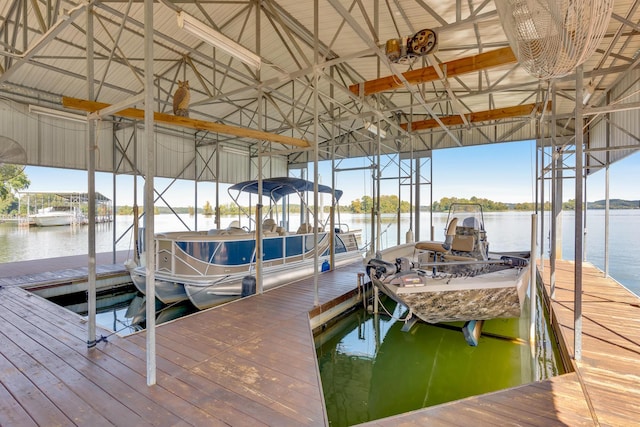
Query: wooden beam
point(480, 116)
point(494, 58)
point(170, 119)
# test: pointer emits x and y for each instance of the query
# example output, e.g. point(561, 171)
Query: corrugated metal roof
point(280, 98)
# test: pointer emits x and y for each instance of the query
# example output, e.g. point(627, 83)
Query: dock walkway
point(32, 274)
point(253, 362)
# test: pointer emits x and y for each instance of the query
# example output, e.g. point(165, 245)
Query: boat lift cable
point(399, 319)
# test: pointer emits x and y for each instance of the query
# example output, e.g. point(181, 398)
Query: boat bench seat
point(307, 228)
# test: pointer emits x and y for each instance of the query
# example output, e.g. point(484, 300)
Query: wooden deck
point(253, 362)
point(603, 390)
point(39, 273)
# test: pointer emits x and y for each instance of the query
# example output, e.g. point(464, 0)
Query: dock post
point(532, 282)
point(375, 300)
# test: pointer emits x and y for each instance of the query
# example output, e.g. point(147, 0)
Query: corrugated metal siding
point(54, 142)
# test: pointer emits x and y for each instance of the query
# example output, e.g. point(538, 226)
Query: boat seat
point(463, 243)
point(281, 231)
point(304, 229)
point(430, 246)
point(269, 225)
point(308, 228)
point(440, 246)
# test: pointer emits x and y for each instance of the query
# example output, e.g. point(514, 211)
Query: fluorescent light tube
point(375, 129)
point(231, 150)
point(216, 39)
point(58, 114)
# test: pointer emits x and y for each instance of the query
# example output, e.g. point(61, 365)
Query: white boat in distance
point(209, 267)
point(455, 280)
point(58, 215)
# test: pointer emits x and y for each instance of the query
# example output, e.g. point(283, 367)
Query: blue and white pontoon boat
point(208, 267)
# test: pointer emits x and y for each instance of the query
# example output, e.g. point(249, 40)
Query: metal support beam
point(577, 297)
point(91, 168)
point(148, 193)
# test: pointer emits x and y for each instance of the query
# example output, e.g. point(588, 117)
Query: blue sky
point(500, 172)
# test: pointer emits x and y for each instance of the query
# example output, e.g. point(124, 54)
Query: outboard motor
point(403, 264)
point(378, 268)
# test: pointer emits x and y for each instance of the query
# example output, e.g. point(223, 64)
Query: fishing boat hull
point(494, 295)
point(480, 290)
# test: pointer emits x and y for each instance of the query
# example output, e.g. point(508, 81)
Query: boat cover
point(276, 188)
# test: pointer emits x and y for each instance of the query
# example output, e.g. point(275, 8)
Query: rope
point(399, 319)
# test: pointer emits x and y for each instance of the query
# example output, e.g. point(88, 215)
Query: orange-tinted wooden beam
point(169, 119)
point(480, 116)
point(494, 58)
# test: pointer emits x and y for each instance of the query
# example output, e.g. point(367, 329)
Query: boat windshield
point(468, 214)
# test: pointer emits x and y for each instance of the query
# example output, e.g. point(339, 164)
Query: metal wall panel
point(53, 142)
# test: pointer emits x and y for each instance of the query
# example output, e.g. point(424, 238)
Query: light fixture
point(588, 91)
point(231, 150)
point(375, 129)
point(58, 114)
point(216, 39)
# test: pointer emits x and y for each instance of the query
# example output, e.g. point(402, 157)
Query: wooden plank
point(480, 116)
point(169, 119)
point(11, 412)
point(482, 61)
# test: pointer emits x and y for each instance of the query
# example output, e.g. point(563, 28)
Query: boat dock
point(63, 275)
point(253, 362)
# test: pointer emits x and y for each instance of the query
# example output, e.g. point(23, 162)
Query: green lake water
point(371, 369)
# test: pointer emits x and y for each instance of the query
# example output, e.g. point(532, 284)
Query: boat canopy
point(276, 188)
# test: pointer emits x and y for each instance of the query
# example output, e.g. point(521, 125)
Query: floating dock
point(253, 362)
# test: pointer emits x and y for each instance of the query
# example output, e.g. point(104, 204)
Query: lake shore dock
point(253, 362)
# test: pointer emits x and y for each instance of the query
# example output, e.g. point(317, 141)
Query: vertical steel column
point(261, 126)
point(217, 183)
point(114, 183)
point(543, 182)
point(431, 233)
point(532, 281)
point(316, 35)
point(417, 206)
point(606, 192)
point(195, 180)
point(91, 184)
point(556, 200)
point(332, 211)
point(577, 297)
point(148, 193)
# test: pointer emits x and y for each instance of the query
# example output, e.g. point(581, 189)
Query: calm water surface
point(371, 369)
point(506, 231)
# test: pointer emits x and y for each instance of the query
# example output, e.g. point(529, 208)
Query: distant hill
point(615, 204)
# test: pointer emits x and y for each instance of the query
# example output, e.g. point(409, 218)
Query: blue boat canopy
point(276, 188)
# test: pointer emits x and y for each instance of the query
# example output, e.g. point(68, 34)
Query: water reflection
point(371, 369)
point(123, 311)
